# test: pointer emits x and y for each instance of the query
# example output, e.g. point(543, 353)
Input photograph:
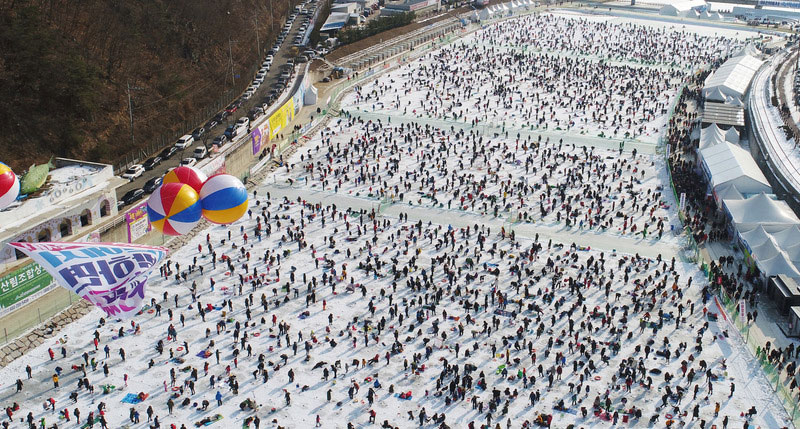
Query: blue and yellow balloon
point(224, 199)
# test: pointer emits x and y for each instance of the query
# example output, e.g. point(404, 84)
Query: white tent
point(712, 134)
point(793, 253)
point(728, 191)
point(772, 215)
point(755, 237)
point(787, 238)
point(779, 264)
point(766, 250)
point(731, 135)
point(726, 163)
point(731, 79)
point(310, 96)
point(683, 8)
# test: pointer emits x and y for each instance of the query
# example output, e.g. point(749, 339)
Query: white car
point(184, 142)
point(200, 152)
point(188, 162)
point(247, 94)
point(133, 172)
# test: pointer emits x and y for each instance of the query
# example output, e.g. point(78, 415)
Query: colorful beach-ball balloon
point(224, 199)
point(188, 175)
point(9, 186)
point(174, 208)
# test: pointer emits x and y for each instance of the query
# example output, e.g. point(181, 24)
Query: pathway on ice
point(560, 234)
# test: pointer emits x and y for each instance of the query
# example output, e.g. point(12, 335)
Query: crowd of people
point(365, 319)
point(550, 72)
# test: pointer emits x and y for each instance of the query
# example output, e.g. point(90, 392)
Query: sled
point(212, 420)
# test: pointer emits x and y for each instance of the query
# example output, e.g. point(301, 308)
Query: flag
point(111, 276)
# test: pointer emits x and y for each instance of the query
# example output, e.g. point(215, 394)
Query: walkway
point(558, 233)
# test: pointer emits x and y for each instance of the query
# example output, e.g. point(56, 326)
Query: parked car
point(244, 121)
point(211, 124)
point(188, 162)
point(151, 163)
point(220, 141)
point(234, 131)
point(231, 108)
point(255, 113)
point(151, 185)
point(220, 117)
point(133, 172)
point(198, 133)
point(132, 196)
point(184, 142)
point(247, 94)
point(168, 152)
point(200, 152)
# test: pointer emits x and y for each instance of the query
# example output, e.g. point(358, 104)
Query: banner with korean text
point(22, 286)
point(111, 276)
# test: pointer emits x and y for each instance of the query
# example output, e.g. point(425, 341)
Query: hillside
point(65, 67)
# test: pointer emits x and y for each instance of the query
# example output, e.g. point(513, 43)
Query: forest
point(67, 68)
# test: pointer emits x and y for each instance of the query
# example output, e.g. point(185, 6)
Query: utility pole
point(258, 43)
point(230, 57)
point(130, 110)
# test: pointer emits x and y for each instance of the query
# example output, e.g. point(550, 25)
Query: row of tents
point(503, 9)
point(766, 228)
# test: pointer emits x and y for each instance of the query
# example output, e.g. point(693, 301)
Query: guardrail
point(764, 131)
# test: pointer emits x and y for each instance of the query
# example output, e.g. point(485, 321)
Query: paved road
point(558, 233)
point(272, 76)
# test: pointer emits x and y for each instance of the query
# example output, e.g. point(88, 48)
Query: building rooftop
point(70, 182)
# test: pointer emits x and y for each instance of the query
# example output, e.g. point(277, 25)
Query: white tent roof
point(732, 78)
point(779, 264)
point(716, 94)
point(710, 136)
point(731, 135)
point(728, 191)
point(789, 237)
point(727, 162)
point(713, 134)
point(772, 215)
point(755, 237)
point(681, 7)
point(766, 250)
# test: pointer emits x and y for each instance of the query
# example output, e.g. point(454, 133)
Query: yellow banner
point(281, 118)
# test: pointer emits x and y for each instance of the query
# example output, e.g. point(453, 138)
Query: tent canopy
point(728, 163)
point(732, 78)
point(772, 215)
point(788, 237)
point(779, 264)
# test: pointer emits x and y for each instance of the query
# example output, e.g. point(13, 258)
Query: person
point(219, 398)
